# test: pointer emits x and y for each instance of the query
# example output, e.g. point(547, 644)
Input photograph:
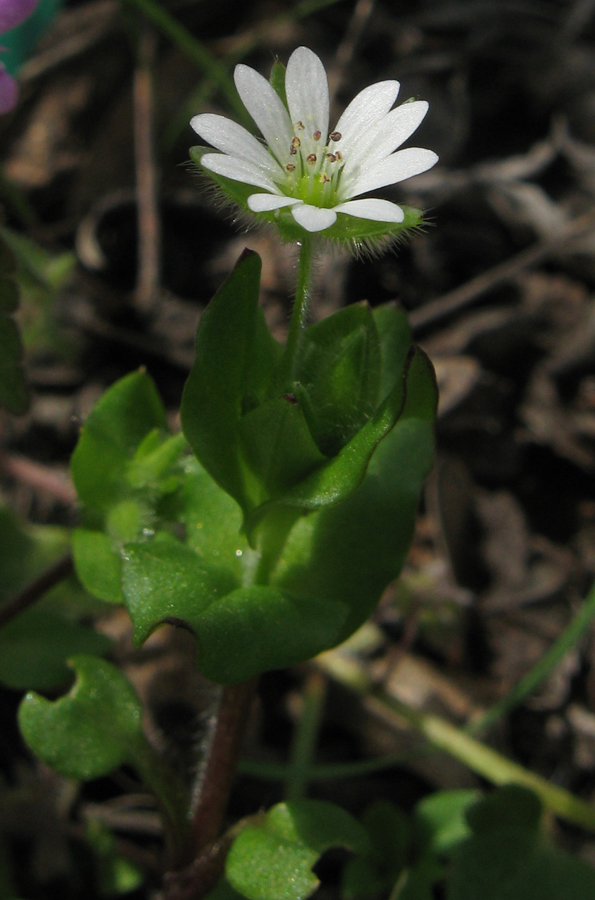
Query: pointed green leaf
point(273, 860)
point(235, 362)
point(328, 552)
point(440, 819)
point(278, 446)
point(339, 370)
point(91, 730)
point(129, 411)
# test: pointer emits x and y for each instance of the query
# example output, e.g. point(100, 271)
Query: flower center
point(312, 172)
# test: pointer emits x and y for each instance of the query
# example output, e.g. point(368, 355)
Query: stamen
point(339, 155)
point(335, 136)
point(311, 159)
point(299, 126)
point(295, 142)
point(317, 135)
point(332, 157)
point(290, 167)
point(324, 178)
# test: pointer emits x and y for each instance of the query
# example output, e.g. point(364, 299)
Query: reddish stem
point(36, 589)
point(221, 762)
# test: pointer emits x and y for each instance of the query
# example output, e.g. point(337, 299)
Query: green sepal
point(93, 729)
point(129, 411)
point(360, 234)
point(273, 860)
point(236, 359)
point(240, 631)
point(338, 368)
point(277, 79)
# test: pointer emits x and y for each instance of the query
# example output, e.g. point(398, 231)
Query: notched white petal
point(401, 165)
point(365, 110)
point(233, 139)
point(387, 135)
point(266, 108)
point(238, 170)
point(372, 208)
point(268, 202)
point(306, 86)
point(314, 218)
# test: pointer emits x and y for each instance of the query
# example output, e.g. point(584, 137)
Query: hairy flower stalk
point(317, 175)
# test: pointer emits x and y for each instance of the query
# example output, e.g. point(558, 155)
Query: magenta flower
point(12, 13)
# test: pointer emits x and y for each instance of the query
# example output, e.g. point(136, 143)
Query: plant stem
point(34, 591)
point(305, 735)
point(220, 764)
point(452, 740)
point(194, 49)
point(521, 690)
point(300, 306)
point(171, 796)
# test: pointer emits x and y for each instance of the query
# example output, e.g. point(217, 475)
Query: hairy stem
point(221, 762)
point(298, 316)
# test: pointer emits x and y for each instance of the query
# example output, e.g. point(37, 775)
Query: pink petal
point(13, 12)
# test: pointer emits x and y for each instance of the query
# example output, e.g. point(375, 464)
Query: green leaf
point(394, 335)
point(236, 358)
point(94, 729)
point(121, 419)
point(34, 648)
point(273, 860)
point(277, 444)
point(507, 859)
point(240, 631)
point(373, 874)
point(339, 370)
point(98, 565)
point(328, 552)
point(440, 819)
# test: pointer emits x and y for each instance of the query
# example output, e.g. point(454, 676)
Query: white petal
point(366, 108)
point(401, 165)
point(306, 86)
point(233, 139)
point(268, 202)
point(384, 138)
point(266, 108)
point(238, 170)
point(370, 208)
point(314, 218)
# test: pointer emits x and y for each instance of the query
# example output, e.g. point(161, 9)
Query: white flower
point(316, 173)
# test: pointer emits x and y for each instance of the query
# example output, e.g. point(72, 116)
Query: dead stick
point(461, 297)
point(149, 231)
point(34, 591)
